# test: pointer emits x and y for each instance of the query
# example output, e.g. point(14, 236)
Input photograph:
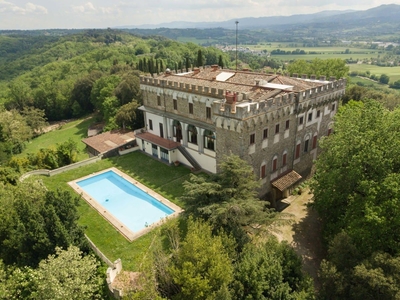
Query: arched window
point(275, 163)
point(263, 171)
point(192, 134)
point(284, 158)
point(306, 143)
point(177, 130)
point(209, 140)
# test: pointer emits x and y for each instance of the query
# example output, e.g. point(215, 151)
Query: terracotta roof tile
point(154, 139)
point(286, 180)
point(109, 140)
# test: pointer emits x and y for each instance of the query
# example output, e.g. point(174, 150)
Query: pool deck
point(124, 230)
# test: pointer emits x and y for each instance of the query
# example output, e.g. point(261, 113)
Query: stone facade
point(274, 122)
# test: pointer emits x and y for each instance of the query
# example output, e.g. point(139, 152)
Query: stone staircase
point(190, 158)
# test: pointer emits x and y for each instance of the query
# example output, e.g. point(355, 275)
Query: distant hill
point(378, 23)
point(248, 23)
point(384, 14)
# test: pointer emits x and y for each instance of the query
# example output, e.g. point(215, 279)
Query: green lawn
point(77, 130)
point(164, 179)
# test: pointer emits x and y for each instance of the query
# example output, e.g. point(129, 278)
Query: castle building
point(272, 121)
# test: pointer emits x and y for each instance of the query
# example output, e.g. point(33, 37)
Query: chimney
point(215, 67)
point(257, 82)
point(196, 71)
point(230, 97)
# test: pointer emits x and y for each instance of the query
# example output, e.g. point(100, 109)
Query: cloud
point(29, 8)
point(87, 8)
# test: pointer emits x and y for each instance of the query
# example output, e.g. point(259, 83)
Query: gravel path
point(304, 234)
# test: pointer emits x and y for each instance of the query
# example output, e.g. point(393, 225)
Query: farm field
point(392, 72)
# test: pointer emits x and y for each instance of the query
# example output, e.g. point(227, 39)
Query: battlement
point(190, 88)
point(324, 89)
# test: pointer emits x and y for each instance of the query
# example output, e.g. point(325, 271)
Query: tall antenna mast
point(236, 22)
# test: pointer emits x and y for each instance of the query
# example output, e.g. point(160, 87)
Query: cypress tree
point(187, 65)
point(221, 62)
point(199, 58)
point(161, 66)
point(157, 69)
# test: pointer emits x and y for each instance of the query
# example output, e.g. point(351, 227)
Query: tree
point(187, 64)
point(19, 95)
point(67, 152)
point(229, 199)
point(128, 89)
point(103, 88)
point(270, 271)
point(67, 274)
point(35, 119)
point(320, 67)
point(200, 266)
point(199, 58)
point(82, 90)
point(14, 130)
point(126, 115)
point(35, 221)
point(221, 62)
point(384, 79)
point(355, 185)
point(356, 191)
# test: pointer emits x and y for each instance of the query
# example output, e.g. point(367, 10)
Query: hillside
point(381, 22)
point(56, 73)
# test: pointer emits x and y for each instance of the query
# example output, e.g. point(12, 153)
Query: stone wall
point(62, 169)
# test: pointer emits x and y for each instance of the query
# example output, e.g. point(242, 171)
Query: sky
point(47, 14)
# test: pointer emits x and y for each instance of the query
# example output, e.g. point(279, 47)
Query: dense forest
point(222, 246)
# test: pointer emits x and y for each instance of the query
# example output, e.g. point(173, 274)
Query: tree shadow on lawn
point(307, 242)
point(84, 126)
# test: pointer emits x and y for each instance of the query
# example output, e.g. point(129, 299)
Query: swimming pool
point(131, 207)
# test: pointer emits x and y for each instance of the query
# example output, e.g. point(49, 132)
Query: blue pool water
point(133, 207)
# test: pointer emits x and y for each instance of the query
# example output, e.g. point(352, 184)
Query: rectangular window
point(318, 113)
point(191, 108)
point(263, 173)
point(287, 125)
point(158, 100)
point(208, 112)
point(297, 151)
point(284, 159)
point(333, 106)
point(175, 104)
point(310, 117)
point(151, 124)
point(161, 130)
point(306, 146)
point(329, 131)
point(277, 129)
point(274, 164)
point(301, 120)
point(265, 133)
point(252, 138)
point(314, 142)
